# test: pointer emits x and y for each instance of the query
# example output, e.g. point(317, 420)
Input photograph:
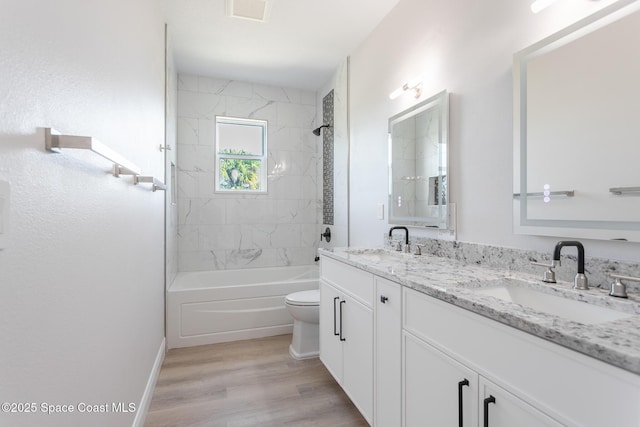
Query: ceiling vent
point(254, 10)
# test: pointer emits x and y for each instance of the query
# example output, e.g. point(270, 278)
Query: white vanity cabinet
point(499, 408)
point(445, 392)
point(533, 382)
point(388, 353)
point(409, 359)
point(346, 330)
point(437, 390)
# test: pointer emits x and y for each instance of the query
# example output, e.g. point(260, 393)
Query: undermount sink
point(577, 311)
point(375, 255)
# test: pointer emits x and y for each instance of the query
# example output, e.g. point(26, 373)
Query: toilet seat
point(304, 298)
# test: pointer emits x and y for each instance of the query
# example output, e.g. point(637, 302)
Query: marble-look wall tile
point(187, 238)
point(272, 93)
point(197, 105)
point(286, 186)
point(308, 98)
point(187, 82)
point(250, 108)
point(201, 260)
point(188, 131)
point(187, 184)
point(225, 231)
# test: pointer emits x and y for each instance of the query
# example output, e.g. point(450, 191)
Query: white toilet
point(304, 307)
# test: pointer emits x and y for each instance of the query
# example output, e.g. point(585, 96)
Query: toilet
point(304, 307)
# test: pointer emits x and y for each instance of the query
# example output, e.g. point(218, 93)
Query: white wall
point(81, 280)
point(226, 231)
point(467, 48)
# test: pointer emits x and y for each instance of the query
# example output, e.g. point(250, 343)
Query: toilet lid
point(304, 298)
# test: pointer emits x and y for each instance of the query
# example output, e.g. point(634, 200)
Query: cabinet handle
point(341, 338)
point(335, 332)
point(488, 400)
point(464, 382)
point(383, 299)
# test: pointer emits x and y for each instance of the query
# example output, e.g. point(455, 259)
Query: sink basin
point(375, 255)
point(577, 311)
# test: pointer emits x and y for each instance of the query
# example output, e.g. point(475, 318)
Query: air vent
point(254, 10)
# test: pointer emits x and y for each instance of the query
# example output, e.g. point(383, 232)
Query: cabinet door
point(499, 408)
point(388, 356)
point(437, 390)
point(330, 344)
point(357, 374)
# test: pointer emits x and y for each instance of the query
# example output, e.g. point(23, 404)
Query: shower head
point(316, 132)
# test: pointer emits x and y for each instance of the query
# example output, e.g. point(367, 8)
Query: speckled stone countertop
point(616, 342)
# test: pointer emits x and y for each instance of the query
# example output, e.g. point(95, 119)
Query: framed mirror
point(576, 129)
point(418, 164)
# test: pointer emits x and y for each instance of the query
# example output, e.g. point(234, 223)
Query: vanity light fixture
point(415, 85)
point(539, 5)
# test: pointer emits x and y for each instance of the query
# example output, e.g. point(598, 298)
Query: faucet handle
point(395, 244)
point(418, 249)
point(619, 289)
point(549, 275)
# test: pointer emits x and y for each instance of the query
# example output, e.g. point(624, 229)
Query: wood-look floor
point(248, 383)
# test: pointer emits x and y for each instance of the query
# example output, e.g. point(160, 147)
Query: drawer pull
point(335, 332)
point(464, 382)
point(383, 299)
point(487, 401)
point(341, 338)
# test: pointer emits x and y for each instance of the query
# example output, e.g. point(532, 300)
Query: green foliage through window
point(239, 174)
point(240, 155)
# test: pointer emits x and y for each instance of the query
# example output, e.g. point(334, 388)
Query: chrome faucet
point(407, 248)
point(580, 281)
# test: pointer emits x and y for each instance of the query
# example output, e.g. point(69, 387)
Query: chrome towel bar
point(155, 183)
point(55, 142)
point(618, 191)
point(569, 193)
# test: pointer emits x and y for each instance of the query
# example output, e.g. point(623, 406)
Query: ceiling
point(300, 46)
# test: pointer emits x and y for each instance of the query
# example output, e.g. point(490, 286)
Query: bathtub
point(207, 307)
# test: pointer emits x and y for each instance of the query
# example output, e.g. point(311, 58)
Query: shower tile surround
point(226, 231)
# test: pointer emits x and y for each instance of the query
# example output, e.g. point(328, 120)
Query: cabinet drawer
point(353, 281)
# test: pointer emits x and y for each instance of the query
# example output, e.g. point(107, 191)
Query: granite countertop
point(616, 342)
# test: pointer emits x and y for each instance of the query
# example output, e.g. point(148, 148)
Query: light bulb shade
point(396, 93)
point(415, 82)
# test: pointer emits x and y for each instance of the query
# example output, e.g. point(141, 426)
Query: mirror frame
point(440, 100)
point(593, 229)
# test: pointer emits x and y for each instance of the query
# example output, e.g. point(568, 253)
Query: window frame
point(263, 124)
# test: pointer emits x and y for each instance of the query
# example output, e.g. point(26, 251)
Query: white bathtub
point(207, 307)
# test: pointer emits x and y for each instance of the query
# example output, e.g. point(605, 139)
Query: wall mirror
point(576, 129)
point(418, 163)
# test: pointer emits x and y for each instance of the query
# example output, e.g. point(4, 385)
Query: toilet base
point(303, 356)
point(305, 343)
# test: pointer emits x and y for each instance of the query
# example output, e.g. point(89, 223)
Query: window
point(241, 155)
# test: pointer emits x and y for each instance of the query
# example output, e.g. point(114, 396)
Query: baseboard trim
point(143, 408)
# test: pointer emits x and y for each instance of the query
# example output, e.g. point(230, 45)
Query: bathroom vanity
point(425, 340)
